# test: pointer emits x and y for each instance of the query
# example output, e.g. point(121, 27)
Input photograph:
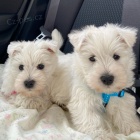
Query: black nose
point(107, 79)
point(29, 83)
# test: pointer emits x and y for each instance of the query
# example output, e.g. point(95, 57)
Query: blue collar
point(106, 97)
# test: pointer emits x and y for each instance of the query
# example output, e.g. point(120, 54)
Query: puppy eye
point(92, 59)
point(40, 66)
point(116, 57)
point(21, 67)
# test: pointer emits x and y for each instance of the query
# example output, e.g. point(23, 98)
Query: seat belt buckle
point(134, 89)
point(40, 37)
point(44, 34)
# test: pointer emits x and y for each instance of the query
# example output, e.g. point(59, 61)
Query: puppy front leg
point(8, 79)
point(86, 117)
point(124, 116)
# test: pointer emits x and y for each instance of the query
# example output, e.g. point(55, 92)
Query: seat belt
point(24, 17)
point(50, 20)
point(131, 17)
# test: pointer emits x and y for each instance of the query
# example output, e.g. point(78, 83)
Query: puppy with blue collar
point(101, 103)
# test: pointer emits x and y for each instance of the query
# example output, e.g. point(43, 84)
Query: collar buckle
point(106, 97)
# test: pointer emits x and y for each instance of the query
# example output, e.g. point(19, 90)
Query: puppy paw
point(128, 129)
point(4, 93)
point(103, 135)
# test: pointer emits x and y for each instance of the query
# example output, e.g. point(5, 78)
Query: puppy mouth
point(112, 88)
point(30, 90)
point(108, 87)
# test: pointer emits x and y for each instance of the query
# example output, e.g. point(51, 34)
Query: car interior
point(22, 19)
point(27, 19)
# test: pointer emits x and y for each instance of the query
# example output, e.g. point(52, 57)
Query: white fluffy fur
point(48, 80)
point(88, 114)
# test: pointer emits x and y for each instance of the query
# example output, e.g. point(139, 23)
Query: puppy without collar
point(29, 71)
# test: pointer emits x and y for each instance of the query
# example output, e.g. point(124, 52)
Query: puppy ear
point(50, 46)
point(128, 35)
point(77, 38)
point(57, 37)
point(14, 48)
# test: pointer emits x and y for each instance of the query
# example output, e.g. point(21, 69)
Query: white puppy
point(103, 63)
point(29, 71)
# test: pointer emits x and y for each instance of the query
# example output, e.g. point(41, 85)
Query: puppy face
point(33, 63)
point(105, 56)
